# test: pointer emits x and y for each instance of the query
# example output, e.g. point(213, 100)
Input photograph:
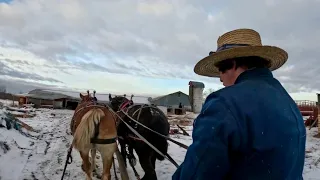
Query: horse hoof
point(133, 161)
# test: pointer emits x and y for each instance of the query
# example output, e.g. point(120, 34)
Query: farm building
point(43, 98)
point(176, 102)
point(104, 97)
point(64, 99)
point(196, 95)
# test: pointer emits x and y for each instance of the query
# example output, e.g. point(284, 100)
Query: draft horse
point(93, 128)
point(153, 118)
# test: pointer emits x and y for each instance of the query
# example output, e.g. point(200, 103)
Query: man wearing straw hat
point(251, 129)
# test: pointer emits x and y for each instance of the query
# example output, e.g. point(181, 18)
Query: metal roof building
point(172, 100)
point(66, 99)
point(102, 97)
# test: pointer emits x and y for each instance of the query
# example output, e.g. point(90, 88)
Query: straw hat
point(240, 43)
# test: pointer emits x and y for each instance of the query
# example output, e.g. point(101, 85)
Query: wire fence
point(306, 103)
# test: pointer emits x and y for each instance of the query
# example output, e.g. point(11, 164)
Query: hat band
point(229, 46)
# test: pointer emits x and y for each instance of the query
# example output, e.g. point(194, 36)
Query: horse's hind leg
point(123, 151)
point(153, 159)
point(93, 159)
point(132, 158)
point(86, 164)
point(107, 151)
point(147, 165)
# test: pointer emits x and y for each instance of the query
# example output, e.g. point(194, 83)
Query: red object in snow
point(309, 109)
point(174, 131)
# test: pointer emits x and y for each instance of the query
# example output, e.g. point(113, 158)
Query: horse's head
point(87, 97)
point(119, 102)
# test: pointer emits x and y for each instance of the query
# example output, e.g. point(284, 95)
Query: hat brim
point(276, 56)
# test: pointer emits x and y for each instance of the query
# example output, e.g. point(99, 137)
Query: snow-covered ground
point(312, 160)
point(42, 154)
point(8, 102)
point(42, 157)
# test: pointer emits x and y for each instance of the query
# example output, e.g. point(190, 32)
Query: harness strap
point(114, 169)
point(103, 141)
point(147, 142)
point(68, 161)
point(166, 137)
point(139, 113)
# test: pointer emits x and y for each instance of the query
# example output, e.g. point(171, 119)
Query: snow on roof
point(103, 96)
point(43, 96)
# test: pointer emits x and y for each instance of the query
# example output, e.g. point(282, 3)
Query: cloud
point(18, 86)
point(8, 71)
point(59, 43)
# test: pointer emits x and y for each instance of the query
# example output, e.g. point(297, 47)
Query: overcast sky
point(148, 46)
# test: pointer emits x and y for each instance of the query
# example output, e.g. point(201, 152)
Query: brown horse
point(93, 127)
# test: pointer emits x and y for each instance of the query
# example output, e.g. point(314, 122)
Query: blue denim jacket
point(251, 130)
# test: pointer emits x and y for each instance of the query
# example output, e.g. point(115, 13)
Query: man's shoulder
point(242, 89)
point(226, 92)
point(241, 94)
point(217, 103)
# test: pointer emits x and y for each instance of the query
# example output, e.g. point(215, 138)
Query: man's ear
point(234, 65)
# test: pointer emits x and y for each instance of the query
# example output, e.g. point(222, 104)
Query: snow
point(42, 154)
point(8, 102)
point(312, 160)
point(44, 157)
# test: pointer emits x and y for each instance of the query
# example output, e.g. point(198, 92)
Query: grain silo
point(196, 95)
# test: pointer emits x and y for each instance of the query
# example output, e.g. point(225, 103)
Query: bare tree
point(3, 89)
point(207, 92)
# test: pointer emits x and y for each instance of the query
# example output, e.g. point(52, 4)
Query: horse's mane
point(117, 98)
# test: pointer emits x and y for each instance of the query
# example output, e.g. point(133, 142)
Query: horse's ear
point(110, 98)
point(81, 96)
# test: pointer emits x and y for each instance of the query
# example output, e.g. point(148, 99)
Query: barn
point(47, 99)
point(177, 102)
point(64, 99)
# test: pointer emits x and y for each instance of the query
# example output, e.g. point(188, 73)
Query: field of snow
point(41, 155)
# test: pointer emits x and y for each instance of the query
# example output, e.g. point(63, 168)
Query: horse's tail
point(162, 143)
point(86, 129)
point(162, 147)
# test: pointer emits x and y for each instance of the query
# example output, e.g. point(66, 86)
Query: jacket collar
point(254, 74)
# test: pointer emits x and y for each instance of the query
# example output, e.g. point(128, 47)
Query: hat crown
point(240, 36)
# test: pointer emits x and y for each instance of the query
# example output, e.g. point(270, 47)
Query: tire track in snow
point(46, 160)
